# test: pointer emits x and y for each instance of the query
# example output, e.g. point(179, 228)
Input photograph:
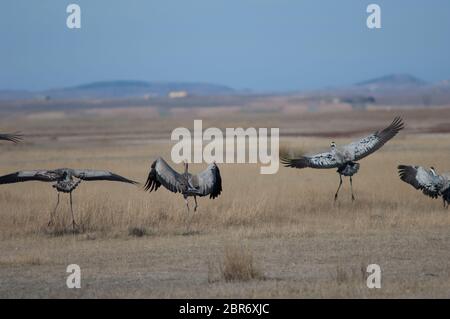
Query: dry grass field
point(266, 236)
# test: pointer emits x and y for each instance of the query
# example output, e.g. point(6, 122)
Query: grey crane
point(344, 158)
point(15, 137)
point(428, 181)
point(207, 182)
point(67, 180)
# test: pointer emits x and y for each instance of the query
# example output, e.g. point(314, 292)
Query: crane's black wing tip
point(217, 190)
point(152, 184)
point(9, 178)
point(294, 162)
point(13, 137)
point(404, 171)
point(287, 162)
point(397, 124)
point(118, 178)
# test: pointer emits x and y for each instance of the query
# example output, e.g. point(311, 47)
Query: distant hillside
point(121, 89)
point(392, 81)
point(127, 89)
point(392, 90)
point(398, 90)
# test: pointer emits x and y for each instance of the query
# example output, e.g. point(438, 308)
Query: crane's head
point(332, 144)
point(433, 170)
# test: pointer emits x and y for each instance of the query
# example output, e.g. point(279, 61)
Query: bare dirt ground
point(285, 226)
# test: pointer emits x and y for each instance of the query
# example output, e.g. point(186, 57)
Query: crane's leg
point(187, 203)
point(188, 221)
point(53, 213)
point(195, 200)
point(71, 210)
point(340, 184)
point(351, 187)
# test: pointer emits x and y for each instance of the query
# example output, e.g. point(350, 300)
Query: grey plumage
point(66, 180)
point(15, 137)
point(344, 158)
point(427, 180)
point(207, 182)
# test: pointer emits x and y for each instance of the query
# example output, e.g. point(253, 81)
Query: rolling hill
point(120, 89)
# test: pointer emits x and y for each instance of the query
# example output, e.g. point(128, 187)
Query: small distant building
point(178, 94)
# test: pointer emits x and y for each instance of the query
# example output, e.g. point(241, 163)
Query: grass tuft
point(238, 265)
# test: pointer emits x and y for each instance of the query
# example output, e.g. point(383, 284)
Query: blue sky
point(258, 44)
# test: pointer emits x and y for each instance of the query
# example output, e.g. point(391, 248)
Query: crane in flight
point(428, 181)
point(345, 157)
point(207, 182)
point(66, 181)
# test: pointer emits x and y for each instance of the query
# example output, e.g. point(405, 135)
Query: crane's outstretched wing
point(422, 179)
point(322, 160)
point(15, 138)
point(373, 142)
point(95, 175)
point(209, 182)
point(25, 176)
point(162, 174)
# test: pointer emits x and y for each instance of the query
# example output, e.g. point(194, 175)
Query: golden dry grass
point(134, 244)
point(236, 264)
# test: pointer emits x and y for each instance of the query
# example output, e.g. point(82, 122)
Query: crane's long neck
point(186, 167)
point(333, 148)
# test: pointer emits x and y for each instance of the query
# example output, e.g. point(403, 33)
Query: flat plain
point(285, 227)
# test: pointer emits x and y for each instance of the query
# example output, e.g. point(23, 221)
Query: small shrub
point(238, 265)
point(341, 275)
point(137, 231)
point(353, 274)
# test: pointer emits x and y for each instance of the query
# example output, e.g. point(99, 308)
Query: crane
point(428, 181)
point(207, 182)
point(345, 158)
point(66, 181)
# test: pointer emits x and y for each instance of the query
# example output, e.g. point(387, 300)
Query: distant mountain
point(402, 90)
point(392, 82)
point(392, 90)
point(127, 89)
point(399, 90)
point(121, 89)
